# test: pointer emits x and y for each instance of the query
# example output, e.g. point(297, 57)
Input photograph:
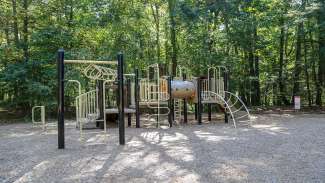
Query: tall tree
point(298, 63)
point(321, 50)
point(173, 39)
point(15, 22)
point(25, 30)
point(155, 13)
point(282, 98)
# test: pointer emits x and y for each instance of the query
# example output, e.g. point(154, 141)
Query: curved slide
point(234, 106)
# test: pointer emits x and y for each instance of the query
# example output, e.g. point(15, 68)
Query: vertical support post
point(199, 102)
point(225, 83)
point(121, 123)
point(170, 102)
point(209, 112)
point(136, 98)
point(210, 89)
point(128, 86)
point(195, 111)
point(185, 103)
point(60, 98)
point(100, 100)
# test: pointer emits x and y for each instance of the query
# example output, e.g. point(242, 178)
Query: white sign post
point(297, 102)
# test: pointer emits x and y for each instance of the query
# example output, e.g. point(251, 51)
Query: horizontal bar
point(90, 62)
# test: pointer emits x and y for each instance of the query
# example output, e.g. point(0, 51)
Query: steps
point(178, 103)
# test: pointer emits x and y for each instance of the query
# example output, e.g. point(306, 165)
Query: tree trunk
point(256, 72)
point(251, 77)
point(282, 98)
point(321, 51)
point(313, 64)
point(171, 7)
point(306, 72)
point(7, 31)
point(25, 31)
point(155, 13)
point(15, 22)
point(297, 66)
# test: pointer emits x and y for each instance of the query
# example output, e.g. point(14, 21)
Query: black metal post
point(121, 123)
point(129, 101)
point(172, 99)
point(225, 83)
point(195, 111)
point(199, 102)
point(136, 98)
point(128, 86)
point(170, 102)
point(60, 98)
point(185, 103)
point(100, 85)
point(209, 112)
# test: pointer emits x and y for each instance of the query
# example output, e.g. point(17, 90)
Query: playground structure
point(167, 96)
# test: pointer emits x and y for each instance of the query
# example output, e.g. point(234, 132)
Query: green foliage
point(232, 33)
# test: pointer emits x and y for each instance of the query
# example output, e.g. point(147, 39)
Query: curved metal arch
point(227, 106)
point(242, 103)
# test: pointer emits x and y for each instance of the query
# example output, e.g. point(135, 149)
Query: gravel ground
point(276, 148)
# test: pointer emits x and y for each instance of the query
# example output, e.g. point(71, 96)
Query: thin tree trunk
point(166, 46)
point(15, 22)
point(321, 51)
point(251, 76)
point(282, 98)
point(297, 67)
point(313, 65)
point(25, 31)
point(171, 7)
point(155, 13)
point(256, 72)
point(306, 72)
point(7, 31)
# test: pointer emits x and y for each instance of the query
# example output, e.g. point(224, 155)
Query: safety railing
point(87, 108)
point(42, 122)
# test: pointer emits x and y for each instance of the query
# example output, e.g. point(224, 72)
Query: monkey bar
point(97, 73)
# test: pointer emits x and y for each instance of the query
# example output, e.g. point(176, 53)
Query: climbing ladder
point(178, 107)
point(154, 94)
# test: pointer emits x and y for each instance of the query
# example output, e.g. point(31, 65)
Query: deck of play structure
point(169, 97)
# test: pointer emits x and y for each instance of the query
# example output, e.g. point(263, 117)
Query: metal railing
point(42, 122)
point(87, 108)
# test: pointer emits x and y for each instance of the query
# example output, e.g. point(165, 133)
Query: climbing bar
point(90, 62)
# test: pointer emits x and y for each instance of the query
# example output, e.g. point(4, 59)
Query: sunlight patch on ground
point(87, 167)
point(99, 138)
point(182, 153)
point(151, 137)
point(12, 135)
point(272, 129)
point(210, 137)
point(173, 138)
point(35, 173)
point(231, 172)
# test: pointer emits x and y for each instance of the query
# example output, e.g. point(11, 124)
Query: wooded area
point(274, 49)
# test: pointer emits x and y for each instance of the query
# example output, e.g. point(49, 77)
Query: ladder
point(178, 109)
